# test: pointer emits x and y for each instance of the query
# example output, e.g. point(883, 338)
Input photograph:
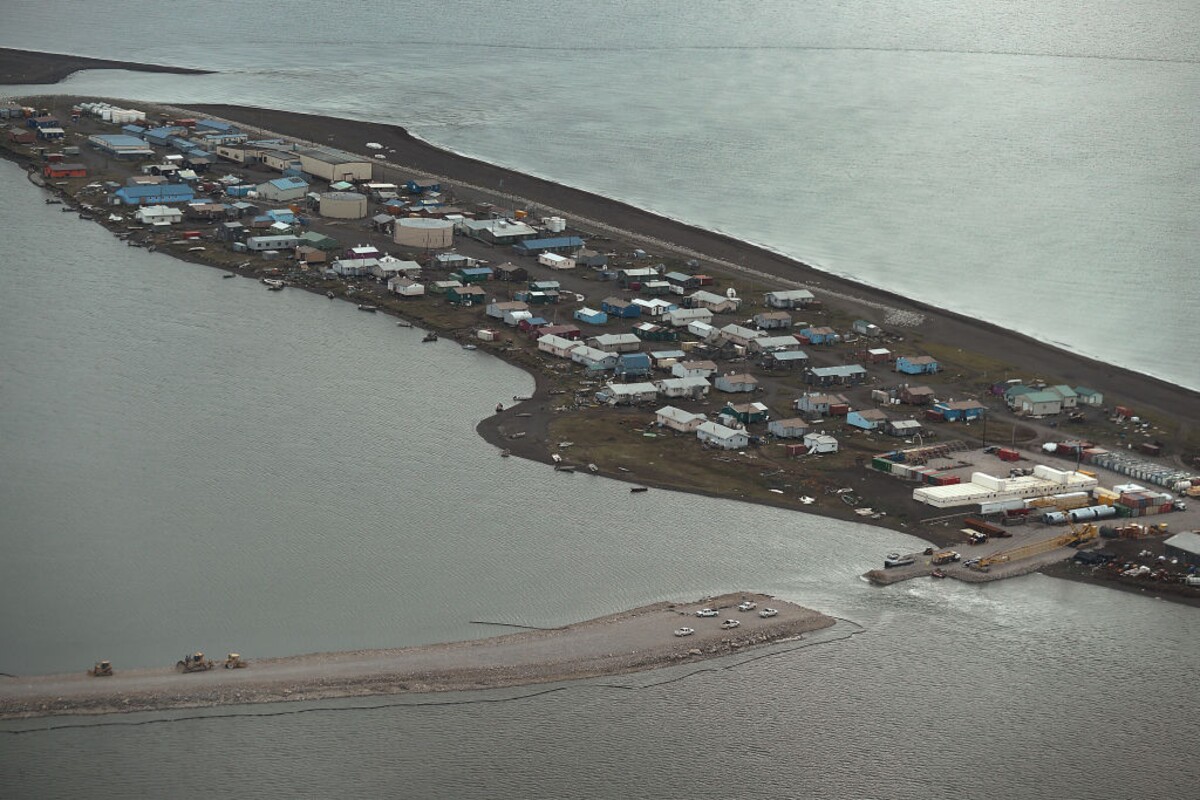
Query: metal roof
point(1188, 540)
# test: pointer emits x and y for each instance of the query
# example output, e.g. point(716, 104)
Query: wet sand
point(27, 67)
point(630, 641)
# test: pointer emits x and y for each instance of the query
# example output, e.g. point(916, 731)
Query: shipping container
point(1007, 454)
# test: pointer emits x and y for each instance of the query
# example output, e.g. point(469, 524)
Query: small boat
point(329, 295)
point(51, 201)
point(230, 275)
point(520, 397)
point(505, 453)
point(272, 282)
point(278, 288)
point(636, 489)
point(849, 499)
point(937, 573)
point(592, 468)
point(195, 249)
point(564, 468)
point(499, 407)
point(430, 337)
point(469, 347)
point(368, 309)
point(403, 323)
point(897, 560)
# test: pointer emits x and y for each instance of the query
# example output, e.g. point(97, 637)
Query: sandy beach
point(626, 642)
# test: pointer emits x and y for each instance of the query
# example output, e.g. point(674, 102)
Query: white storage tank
point(343, 205)
point(420, 232)
point(555, 224)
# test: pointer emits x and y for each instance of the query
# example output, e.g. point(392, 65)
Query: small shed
point(820, 443)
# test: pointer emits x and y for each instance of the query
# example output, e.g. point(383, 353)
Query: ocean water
point(1034, 165)
point(191, 462)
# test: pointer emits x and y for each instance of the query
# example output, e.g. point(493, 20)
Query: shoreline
point(623, 643)
point(34, 67)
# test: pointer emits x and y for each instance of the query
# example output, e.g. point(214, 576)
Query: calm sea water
point(187, 461)
point(1035, 165)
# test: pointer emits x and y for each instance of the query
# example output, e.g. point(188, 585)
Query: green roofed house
point(1089, 397)
point(1037, 404)
point(319, 241)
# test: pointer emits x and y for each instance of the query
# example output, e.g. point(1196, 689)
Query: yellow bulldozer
point(103, 669)
point(235, 661)
point(194, 663)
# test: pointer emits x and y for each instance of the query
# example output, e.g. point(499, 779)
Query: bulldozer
point(235, 661)
point(103, 669)
point(194, 663)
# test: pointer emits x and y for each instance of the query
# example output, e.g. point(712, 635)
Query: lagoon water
point(1032, 164)
point(187, 461)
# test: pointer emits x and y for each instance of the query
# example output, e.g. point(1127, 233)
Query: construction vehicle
point(194, 663)
point(235, 661)
point(1072, 538)
point(945, 557)
point(103, 669)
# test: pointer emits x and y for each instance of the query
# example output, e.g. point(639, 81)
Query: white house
point(595, 360)
point(681, 317)
point(716, 303)
point(694, 369)
point(654, 307)
point(740, 335)
point(405, 287)
point(616, 342)
point(498, 308)
point(557, 346)
point(626, 393)
point(720, 436)
point(791, 298)
point(793, 428)
point(281, 190)
point(820, 443)
point(774, 344)
point(701, 329)
point(683, 387)
point(677, 419)
point(158, 215)
point(388, 266)
point(739, 382)
point(555, 261)
point(513, 318)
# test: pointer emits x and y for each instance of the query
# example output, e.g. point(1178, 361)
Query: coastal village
point(656, 366)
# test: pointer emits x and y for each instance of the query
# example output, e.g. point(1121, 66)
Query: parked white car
point(706, 612)
point(747, 605)
point(730, 623)
point(768, 612)
point(684, 631)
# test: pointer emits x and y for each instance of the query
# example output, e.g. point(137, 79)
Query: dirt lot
point(622, 643)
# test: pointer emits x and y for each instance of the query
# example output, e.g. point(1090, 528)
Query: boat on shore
point(402, 323)
point(430, 337)
point(368, 309)
point(897, 560)
point(637, 489)
point(230, 275)
point(273, 283)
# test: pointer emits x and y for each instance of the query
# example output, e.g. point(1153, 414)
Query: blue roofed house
point(616, 307)
point(633, 365)
point(281, 190)
point(154, 194)
point(215, 125)
point(916, 365)
point(468, 275)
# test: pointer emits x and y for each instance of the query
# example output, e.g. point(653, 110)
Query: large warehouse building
point(334, 165)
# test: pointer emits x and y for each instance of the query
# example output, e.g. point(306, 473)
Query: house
point(556, 346)
point(869, 419)
point(695, 388)
point(821, 335)
point(1089, 397)
point(851, 374)
point(791, 298)
point(772, 320)
point(334, 165)
point(904, 428)
point(532, 326)
point(864, 328)
point(694, 369)
point(682, 282)
point(960, 410)
point(820, 443)
point(511, 273)
point(555, 261)
point(634, 277)
point(515, 317)
point(665, 359)
point(258, 244)
point(739, 335)
point(390, 266)
point(535, 298)
point(558, 245)
point(320, 241)
point(50, 134)
point(545, 286)
point(916, 365)
point(282, 190)
point(825, 405)
point(55, 171)
point(451, 261)
point(772, 344)
point(1185, 547)
point(571, 332)
point(591, 259)
point(352, 267)
point(656, 287)
point(594, 360)
point(716, 303)
point(746, 413)
point(362, 251)
point(736, 382)
point(405, 287)
point(1014, 393)
point(158, 215)
point(1037, 404)
point(633, 365)
point(206, 211)
point(655, 307)
point(231, 231)
point(793, 428)
point(466, 295)
point(785, 359)
point(590, 316)
point(23, 136)
point(625, 394)
point(309, 255)
point(677, 419)
point(1069, 398)
point(702, 329)
point(680, 317)
point(616, 342)
point(916, 395)
point(496, 231)
point(161, 194)
point(717, 435)
point(442, 287)
point(616, 307)
point(120, 145)
point(876, 355)
point(498, 308)
point(421, 186)
point(469, 275)
point(649, 332)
